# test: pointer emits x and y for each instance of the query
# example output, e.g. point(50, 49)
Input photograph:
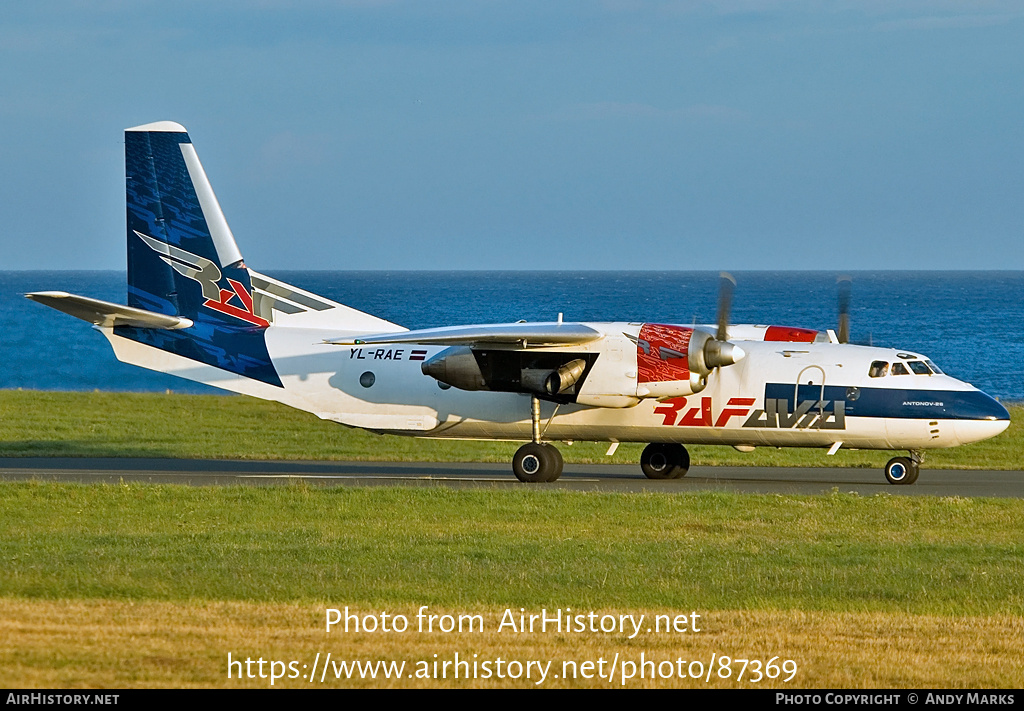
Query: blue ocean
point(970, 323)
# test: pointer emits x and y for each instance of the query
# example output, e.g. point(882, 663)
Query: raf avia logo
point(808, 414)
point(236, 301)
point(679, 412)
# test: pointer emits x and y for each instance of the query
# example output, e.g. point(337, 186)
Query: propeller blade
point(845, 285)
point(726, 284)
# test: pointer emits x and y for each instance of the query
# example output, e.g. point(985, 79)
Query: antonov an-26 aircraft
point(195, 310)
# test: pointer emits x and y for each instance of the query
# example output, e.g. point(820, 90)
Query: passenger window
point(898, 369)
point(919, 367)
point(878, 369)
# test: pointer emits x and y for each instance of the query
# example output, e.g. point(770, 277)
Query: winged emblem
point(208, 275)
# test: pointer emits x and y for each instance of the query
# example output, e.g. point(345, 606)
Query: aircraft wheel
point(557, 456)
point(535, 463)
point(664, 461)
point(901, 470)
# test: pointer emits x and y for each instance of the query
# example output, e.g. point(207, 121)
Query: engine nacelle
point(671, 361)
point(674, 361)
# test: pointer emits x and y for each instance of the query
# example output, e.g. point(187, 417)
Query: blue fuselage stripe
point(895, 402)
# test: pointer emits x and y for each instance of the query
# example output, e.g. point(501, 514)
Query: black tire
point(558, 461)
point(664, 461)
point(536, 463)
point(901, 471)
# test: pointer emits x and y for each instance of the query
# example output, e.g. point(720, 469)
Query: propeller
point(726, 285)
point(845, 286)
point(717, 350)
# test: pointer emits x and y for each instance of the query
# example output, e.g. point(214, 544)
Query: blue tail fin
point(183, 260)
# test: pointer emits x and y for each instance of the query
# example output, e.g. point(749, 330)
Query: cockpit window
point(878, 369)
point(935, 368)
point(919, 367)
point(898, 369)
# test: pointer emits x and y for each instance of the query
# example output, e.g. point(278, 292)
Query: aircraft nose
point(992, 409)
point(986, 419)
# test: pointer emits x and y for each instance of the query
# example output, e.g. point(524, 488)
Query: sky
point(662, 135)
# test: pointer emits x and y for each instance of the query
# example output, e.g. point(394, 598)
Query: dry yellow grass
point(117, 644)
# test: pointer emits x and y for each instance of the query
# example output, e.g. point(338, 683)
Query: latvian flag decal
point(418, 355)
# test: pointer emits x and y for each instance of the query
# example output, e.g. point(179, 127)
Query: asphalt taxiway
point(578, 477)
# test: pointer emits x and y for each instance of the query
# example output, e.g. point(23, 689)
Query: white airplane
point(196, 311)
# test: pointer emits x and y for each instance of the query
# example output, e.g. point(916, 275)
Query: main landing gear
point(664, 461)
point(904, 470)
point(537, 461)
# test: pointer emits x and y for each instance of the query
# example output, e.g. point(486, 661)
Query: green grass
point(102, 424)
point(133, 584)
point(398, 546)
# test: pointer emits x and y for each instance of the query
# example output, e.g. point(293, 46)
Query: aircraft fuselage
point(781, 395)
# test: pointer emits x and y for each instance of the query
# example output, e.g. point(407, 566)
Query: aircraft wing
point(104, 313)
point(522, 335)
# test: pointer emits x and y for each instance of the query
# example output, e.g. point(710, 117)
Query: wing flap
point(106, 314)
point(522, 335)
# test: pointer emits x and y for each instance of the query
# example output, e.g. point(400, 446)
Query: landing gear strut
point(904, 470)
point(537, 461)
point(664, 461)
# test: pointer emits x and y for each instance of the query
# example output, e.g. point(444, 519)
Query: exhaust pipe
point(565, 377)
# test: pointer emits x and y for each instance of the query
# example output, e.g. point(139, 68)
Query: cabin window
point(367, 379)
point(898, 369)
point(919, 367)
point(878, 369)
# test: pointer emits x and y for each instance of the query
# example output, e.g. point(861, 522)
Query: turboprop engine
point(675, 361)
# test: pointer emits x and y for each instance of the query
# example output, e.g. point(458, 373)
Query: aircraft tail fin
point(177, 232)
point(191, 297)
point(183, 261)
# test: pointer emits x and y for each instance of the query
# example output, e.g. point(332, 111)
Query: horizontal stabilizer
point(523, 335)
point(104, 313)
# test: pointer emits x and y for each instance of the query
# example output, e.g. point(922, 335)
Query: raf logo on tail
point(208, 275)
